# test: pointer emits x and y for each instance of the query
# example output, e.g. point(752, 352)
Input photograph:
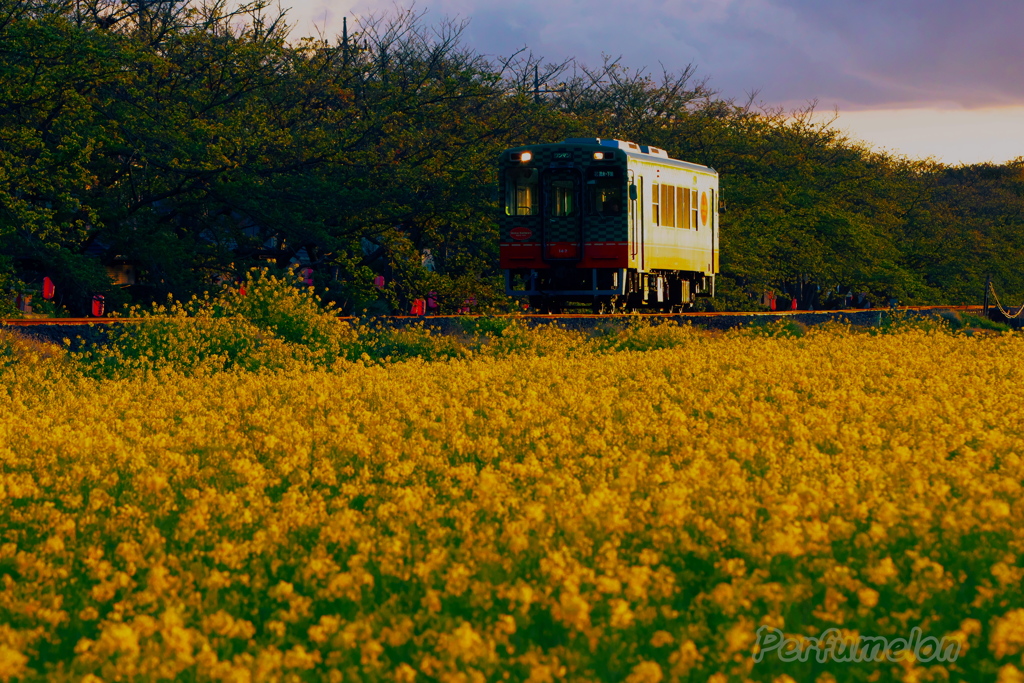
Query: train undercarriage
point(608, 290)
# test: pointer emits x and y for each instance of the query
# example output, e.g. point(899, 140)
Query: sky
point(939, 79)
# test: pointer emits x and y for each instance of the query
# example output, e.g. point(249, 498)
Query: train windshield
point(604, 192)
point(521, 196)
point(561, 194)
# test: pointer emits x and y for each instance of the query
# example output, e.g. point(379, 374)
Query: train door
point(639, 221)
point(633, 194)
point(714, 230)
point(563, 214)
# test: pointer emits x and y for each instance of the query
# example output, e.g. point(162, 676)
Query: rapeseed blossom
point(554, 510)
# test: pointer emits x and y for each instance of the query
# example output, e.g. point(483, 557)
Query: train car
point(612, 223)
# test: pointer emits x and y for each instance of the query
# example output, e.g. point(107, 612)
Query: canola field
point(548, 510)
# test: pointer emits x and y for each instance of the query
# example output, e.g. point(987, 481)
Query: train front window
point(562, 196)
point(607, 201)
point(521, 192)
point(604, 193)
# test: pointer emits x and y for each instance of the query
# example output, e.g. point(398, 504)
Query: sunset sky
point(922, 78)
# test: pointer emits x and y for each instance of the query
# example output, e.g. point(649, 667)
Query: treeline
point(190, 141)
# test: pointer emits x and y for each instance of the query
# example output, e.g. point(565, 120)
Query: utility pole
point(988, 287)
point(537, 92)
point(344, 41)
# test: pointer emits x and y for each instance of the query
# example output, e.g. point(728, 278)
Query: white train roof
point(633, 149)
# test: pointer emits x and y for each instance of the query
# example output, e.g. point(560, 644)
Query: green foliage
point(977, 322)
point(488, 326)
point(963, 320)
point(774, 327)
point(641, 335)
point(9, 288)
point(195, 141)
point(730, 295)
point(897, 322)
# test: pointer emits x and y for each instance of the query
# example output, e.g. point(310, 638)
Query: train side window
point(521, 192)
point(668, 206)
point(693, 209)
point(681, 211)
point(655, 209)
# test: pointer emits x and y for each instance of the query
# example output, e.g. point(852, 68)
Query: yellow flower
point(1007, 637)
point(12, 663)
point(378, 520)
point(661, 638)
point(645, 672)
point(867, 597)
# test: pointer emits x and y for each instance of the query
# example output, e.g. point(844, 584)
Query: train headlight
point(522, 156)
point(600, 155)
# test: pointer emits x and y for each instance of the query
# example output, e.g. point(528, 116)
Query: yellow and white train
point(613, 223)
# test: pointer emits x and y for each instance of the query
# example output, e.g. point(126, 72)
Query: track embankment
point(79, 330)
point(865, 317)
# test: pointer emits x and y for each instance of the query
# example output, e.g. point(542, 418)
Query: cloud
point(913, 52)
point(869, 54)
point(952, 136)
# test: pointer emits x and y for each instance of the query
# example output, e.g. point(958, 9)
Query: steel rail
point(31, 322)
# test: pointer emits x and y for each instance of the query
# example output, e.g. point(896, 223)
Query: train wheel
point(634, 302)
point(603, 305)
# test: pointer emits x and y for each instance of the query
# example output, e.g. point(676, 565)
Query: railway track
point(847, 313)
